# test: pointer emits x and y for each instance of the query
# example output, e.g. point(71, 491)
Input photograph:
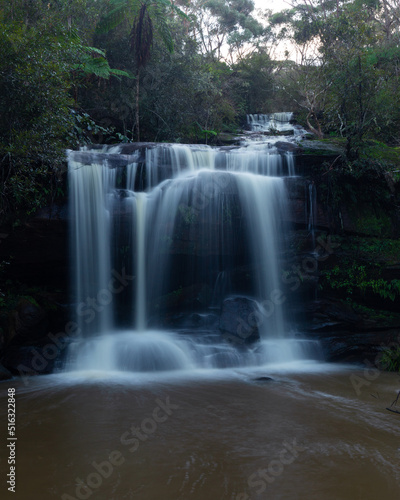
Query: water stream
point(306, 435)
point(145, 412)
point(179, 220)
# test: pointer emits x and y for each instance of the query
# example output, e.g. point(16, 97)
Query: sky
point(275, 5)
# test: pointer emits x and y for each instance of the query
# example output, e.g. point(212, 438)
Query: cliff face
point(340, 266)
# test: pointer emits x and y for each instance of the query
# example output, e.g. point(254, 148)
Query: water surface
point(314, 433)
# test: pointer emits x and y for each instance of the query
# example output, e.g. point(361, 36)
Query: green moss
point(383, 251)
point(380, 151)
point(368, 222)
point(383, 317)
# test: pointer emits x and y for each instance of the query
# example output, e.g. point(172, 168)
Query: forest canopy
point(74, 72)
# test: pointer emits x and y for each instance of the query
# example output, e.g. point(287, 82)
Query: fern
point(94, 62)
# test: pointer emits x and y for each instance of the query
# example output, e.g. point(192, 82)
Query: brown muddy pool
point(319, 433)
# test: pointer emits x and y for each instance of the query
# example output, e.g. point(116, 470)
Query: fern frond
point(114, 18)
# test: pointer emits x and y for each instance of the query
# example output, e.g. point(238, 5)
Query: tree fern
point(93, 61)
point(145, 17)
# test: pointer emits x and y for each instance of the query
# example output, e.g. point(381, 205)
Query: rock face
point(36, 254)
point(35, 339)
point(29, 322)
point(238, 321)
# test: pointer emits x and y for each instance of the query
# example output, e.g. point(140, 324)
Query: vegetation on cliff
point(76, 72)
point(81, 71)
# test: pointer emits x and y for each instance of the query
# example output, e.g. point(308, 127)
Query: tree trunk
point(318, 132)
point(137, 114)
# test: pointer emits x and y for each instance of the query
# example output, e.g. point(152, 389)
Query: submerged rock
point(263, 379)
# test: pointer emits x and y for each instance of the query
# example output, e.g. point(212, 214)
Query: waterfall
point(90, 186)
point(140, 295)
point(163, 231)
point(273, 121)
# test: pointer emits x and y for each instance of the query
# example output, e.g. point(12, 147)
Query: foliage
point(43, 62)
point(93, 61)
point(356, 278)
point(34, 104)
point(142, 14)
point(199, 67)
point(390, 359)
point(352, 47)
point(227, 30)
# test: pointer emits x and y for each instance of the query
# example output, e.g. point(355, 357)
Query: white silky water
point(179, 228)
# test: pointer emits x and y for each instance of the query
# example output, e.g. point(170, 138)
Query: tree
point(349, 40)
point(227, 29)
point(143, 16)
point(255, 82)
point(42, 54)
point(35, 109)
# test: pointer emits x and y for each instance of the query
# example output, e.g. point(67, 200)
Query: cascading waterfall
point(90, 240)
point(273, 121)
point(140, 295)
point(171, 229)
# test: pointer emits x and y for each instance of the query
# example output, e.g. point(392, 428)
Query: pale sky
point(275, 5)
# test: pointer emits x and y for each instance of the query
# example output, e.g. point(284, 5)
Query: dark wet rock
point(112, 160)
point(225, 138)
point(31, 360)
point(287, 147)
point(192, 321)
point(29, 322)
point(37, 251)
point(321, 147)
point(358, 347)
point(263, 379)
point(345, 335)
point(4, 373)
point(190, 297)
point(35, 317)
point(330, 314)
point(238, 320)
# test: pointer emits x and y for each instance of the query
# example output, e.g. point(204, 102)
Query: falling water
point(140, 295)
point(267, 122)
point(90, 186)
point(177, 227)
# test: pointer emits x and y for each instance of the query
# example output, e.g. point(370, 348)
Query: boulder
point(39, 359)
point(238, 322)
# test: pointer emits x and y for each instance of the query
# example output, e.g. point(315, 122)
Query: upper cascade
point(270, 122)
point(149, 164)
